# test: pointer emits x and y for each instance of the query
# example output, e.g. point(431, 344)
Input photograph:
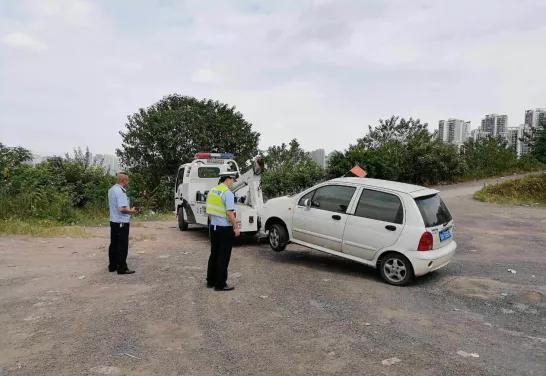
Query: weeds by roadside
point(50, 228)
point(530, 190)
point(42, 228)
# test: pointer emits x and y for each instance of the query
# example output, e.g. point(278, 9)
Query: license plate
point(445, 235)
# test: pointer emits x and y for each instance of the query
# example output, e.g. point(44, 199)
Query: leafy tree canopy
point(402, 150)
point(392, 130)
point(538, 142)
point(11, 158)
point(289, 170)
point(168, 133)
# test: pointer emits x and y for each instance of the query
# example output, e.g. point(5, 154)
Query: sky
point(71, 71)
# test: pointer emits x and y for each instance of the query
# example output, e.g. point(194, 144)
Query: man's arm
point(229, 202)
point(123, 205)
point(126, 210)
point(233, 220)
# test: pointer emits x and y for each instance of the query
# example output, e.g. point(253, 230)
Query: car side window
point(380, 206)
point(305, 197)
point(335, 198)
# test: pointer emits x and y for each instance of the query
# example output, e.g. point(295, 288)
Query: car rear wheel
point(182, 223)
point(396, 269)
point(278, 237)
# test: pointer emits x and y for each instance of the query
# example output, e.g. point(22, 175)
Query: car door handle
point(336, 217)
point(390, 227)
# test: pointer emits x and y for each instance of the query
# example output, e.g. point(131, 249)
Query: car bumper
point(426, 262)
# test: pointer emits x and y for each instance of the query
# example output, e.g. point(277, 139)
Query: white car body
point(349, 234)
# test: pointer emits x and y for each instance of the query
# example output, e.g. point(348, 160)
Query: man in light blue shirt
point(120, 217)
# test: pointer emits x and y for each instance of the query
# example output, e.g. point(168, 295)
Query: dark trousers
point(221, 240)
point(119, 245)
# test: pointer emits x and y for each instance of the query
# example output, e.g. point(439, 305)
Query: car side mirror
point(307, 202)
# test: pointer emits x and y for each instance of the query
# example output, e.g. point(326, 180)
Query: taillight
point(425, 243)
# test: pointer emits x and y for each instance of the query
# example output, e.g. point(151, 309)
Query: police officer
point(223, 230)
point(120, 216)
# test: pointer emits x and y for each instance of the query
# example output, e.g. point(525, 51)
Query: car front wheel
point(396, 269)
point(278, 237)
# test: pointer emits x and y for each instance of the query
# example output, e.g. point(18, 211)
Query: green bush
point(64, 190)
point(289, 170)
point(529, 190)
point(401, 150)
point(487, 157)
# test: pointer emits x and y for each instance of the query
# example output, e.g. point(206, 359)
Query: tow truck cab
point(195, 179)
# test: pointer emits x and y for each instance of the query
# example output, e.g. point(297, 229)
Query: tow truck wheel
point(182, 224)
point(278, 237)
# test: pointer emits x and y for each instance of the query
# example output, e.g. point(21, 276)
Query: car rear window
point(380, 206)
point(433, 210)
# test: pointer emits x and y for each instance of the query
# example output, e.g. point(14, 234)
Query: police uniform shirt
point(228, 199)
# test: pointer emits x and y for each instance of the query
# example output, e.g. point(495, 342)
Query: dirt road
point(297, 312)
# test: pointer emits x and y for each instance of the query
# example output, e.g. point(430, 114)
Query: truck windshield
point(433, 210)
point(208, 172)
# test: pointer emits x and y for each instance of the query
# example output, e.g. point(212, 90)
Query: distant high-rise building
point(328, 157)
point(454, 131)
point(477, 134)
point(495, 125)
point(110, 162)
point(442, 130)
point(533, 118)
point(319, 156)
point(512, 137)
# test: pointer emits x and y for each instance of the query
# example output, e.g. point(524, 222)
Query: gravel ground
point(298, 312)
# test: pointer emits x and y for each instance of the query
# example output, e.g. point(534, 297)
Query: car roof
point(411, 189)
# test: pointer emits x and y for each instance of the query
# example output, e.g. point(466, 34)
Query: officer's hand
point(237, 232)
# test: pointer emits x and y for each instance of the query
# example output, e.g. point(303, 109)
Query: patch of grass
point(512, 171)
point(530, 190)
point(154, 216)
point(76, 228)
point(42, 228)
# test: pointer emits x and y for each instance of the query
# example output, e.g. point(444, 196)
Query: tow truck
point(194, 181)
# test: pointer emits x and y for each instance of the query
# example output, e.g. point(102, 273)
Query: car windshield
point(433, 210)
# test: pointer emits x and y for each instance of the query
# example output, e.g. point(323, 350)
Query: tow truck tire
point(278, 237)
point(182, 224)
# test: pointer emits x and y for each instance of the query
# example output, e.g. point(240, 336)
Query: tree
point(401, 150)
point(11, 158)
point(170, 132)
point(289, 170)
point(392, 130)
point(487, 156)
point(537, 142)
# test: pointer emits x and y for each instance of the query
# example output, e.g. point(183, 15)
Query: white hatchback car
point(403, 230)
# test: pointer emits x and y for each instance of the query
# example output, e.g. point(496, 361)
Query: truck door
point(178, 184)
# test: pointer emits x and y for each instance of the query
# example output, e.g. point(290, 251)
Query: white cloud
point(23, 42)
point(203, 76)
point(320, 71)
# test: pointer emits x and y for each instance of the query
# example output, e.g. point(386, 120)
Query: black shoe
point(210, 285)
point(126, 271)
point(112, 269)
point(225, 288)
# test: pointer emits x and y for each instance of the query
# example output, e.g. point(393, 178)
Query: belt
point(219, 227)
